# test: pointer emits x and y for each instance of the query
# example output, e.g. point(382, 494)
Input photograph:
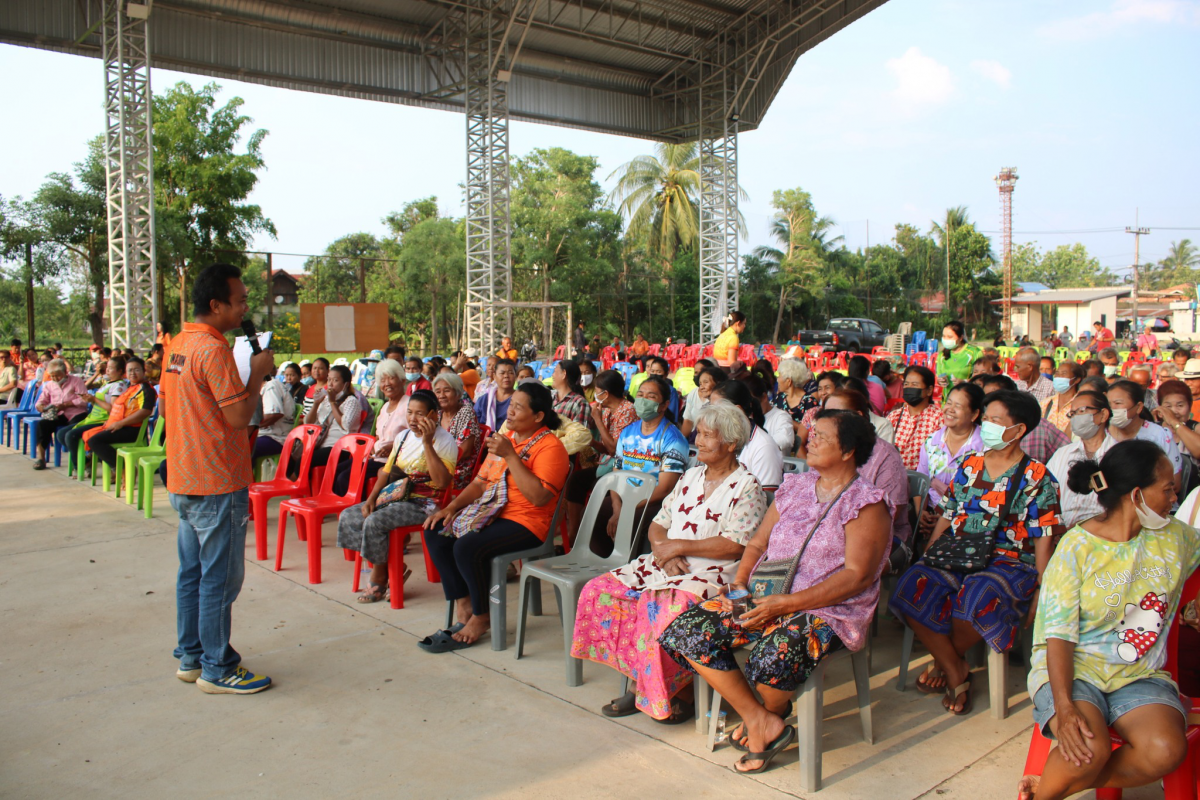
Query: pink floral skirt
point(619, 627)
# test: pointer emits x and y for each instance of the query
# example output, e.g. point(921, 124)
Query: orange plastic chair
point(310, 512)
point(1180, 784)
point(263, 491)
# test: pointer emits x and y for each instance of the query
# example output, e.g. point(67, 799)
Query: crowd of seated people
point(1051, 473)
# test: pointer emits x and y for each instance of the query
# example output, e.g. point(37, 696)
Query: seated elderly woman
point(101, 400)
point(695, 540)
point(457, 417)
point(506, 508)
point(125, 415)
point(837, 526)
point(62, 401)
point(1000, 516)
point(1096, 667)
point(419, 466)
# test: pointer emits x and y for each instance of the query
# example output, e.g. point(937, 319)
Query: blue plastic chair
point(12, 419)
point(544, 373)
point(627, 370)
point(26, 403)
point(599, 365)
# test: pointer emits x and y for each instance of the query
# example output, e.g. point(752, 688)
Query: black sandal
point(741, 746)
point(680, 712)
point(623, 706)
point(773, 749)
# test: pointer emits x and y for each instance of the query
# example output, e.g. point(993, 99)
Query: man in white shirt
point(278, 416)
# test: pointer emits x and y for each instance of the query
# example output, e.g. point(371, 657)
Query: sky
point(909, 111)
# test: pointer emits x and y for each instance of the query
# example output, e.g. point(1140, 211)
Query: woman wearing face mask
point(587, 380)
point(612, 412)
point(919, 417)
point(659, 366)
point(652, 446)
point(1129, 421)
point(1097, 664)
point(414, 375)
point(1089, 416)
point(1010, 502)
point(1066, 384)
point(1175, 412)
point(957, 357)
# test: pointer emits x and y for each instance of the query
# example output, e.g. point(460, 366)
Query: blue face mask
point(1048, 376)
point(1062, 384)
point(993, 435)
point(309, 381)
point(412, 377)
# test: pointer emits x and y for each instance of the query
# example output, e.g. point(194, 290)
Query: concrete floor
point(89, 701)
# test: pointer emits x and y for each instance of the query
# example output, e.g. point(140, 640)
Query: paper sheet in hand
point(242, 352)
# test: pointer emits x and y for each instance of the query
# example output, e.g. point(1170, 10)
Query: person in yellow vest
point(725, 349)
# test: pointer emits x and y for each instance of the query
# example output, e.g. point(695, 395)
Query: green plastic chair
point(684, 380)
point(128, 454)
point(147, 465)
point(140, 441)
point(375, 403)
point(1123, 355)
point(1061, 354)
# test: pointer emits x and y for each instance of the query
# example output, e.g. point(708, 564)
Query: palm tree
point(1182, 259)
point(660, 196)
point(804, 254)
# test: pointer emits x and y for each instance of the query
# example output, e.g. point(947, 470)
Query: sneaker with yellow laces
point(241, 681)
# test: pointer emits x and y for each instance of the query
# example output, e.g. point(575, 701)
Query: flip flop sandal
point(741, 746)
point(958, 691)
point(442, 642)
point(931, 671)
point(373, 594)
point(623, 706)
point(680, 712)
point(773, 749)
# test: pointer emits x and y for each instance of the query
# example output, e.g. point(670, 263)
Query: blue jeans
point(212, 543)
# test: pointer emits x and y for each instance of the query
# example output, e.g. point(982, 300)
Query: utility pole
point(867, 265)
point(948, 306)
point(1006, 181)
point(29, 294)
point(1138, 233)
point(270, 294)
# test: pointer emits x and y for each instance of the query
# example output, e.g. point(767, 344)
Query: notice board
point(343, 327)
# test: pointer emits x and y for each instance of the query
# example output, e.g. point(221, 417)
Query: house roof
point(1066, 296)
point(296, 278)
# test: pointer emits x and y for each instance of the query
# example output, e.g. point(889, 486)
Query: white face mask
point(949, 344)
point(1120, 417)
point(586, 379)
point(1149, 518)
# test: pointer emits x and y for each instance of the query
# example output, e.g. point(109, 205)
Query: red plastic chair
point(655, 349)
point(706, 351)
point(768, 350)
point(1180, 784)
point(879, 350)
point(310, 512)
point(608, 356)
point(396, 538)
point(746, 355)
point(262, 492)
point(558, 352)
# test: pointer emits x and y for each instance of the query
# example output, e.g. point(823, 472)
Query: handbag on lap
point(971, 552)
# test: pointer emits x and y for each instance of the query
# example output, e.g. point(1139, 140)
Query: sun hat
point(471, 352)
point(374, 355)
point(1191, 369)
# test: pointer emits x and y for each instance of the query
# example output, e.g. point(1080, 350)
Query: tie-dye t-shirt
point(664, 450)
point(1115, 601)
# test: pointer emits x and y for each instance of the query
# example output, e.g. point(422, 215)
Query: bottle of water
point(720, 729)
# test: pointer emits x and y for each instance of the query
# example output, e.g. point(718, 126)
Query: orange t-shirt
point(205, 456)
point(470, 379)
point(547, 460)
point(510, 354)
point(1196, 408)
point(639, 349)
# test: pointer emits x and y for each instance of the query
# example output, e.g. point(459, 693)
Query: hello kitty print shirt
point(1116, 601)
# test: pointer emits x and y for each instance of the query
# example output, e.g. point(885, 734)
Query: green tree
point(201, 181)
point(414, 212)
point(421, 285)
point(25, 240)
point(799, 265)
point(76, 217)
point(334, 276)
point(1180, 265)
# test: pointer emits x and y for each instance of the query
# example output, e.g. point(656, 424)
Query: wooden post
point(29, 294)
point(362, 281)
point(270, 294)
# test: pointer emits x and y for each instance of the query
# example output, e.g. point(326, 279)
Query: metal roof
point(631, 67)
point(1067, 296)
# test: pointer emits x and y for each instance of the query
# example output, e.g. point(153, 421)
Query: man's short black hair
point(212, 284)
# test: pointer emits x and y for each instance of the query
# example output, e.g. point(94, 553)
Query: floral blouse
point(734, 511)
point(464, 426)
point(809, 401)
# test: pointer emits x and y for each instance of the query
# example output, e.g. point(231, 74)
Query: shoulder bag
point(971, 552)
point(480, 513)
point(776, 576)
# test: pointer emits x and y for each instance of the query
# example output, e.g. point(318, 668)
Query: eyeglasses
point(1085, 410)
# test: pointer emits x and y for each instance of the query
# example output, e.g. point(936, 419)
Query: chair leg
point(258, 506)
point(148, 491)
point(354, 581)
point(703, 698)
point(998, 683)
point(431, 573)
point(313, 532)
point(567, 607)
point(713, 714)
point(535, 602)
point(395, 568)
point(498, 602)
point(860, 661)
point(130, 481)
point(905, 657)
point(810, 708)
point(526, 586)
point(283, 515)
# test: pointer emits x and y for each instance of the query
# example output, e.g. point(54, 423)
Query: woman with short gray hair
point(457, 417)
point(63, 400)
point(696, 540)
point(797, 389)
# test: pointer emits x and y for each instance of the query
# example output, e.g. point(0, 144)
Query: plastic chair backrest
point(683, 378)
point(633, 488)
point(794, 465)
point(918, 485)
point(358, 446)
point(307, 436)
point(159, 433)
point(375, 403)
point(480, 451)
point(32, 390)
point(693, 456)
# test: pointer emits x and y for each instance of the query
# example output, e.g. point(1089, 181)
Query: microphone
point(251, 336)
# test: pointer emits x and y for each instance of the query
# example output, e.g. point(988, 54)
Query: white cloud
point(1121, 14)
point(920, 80)
point(994, 71)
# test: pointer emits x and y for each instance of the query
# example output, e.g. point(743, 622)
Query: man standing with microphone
point(208, 410)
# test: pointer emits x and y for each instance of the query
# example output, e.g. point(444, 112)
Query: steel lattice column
point(489, 265)
point(718, 206)
point(129, 168)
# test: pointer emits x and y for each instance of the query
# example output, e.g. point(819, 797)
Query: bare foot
point(476, 627)
point(956, 676)
point(1027, 787)
point(759, 734)
point(932, 678)
point(462, 608)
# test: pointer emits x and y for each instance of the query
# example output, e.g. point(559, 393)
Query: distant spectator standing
point(506, 349)
point(580, 340)
point(1103, 337)
point(208, 409)
point(1066, 337)
point(957, 357)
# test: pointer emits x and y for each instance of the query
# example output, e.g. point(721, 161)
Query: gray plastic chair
point(568, 573)
point(795, 465)
point(498, 591)
point(693, 456)
point(918, 486)
point(810, 706)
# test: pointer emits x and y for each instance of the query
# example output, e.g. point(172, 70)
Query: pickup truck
point(845, 333)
